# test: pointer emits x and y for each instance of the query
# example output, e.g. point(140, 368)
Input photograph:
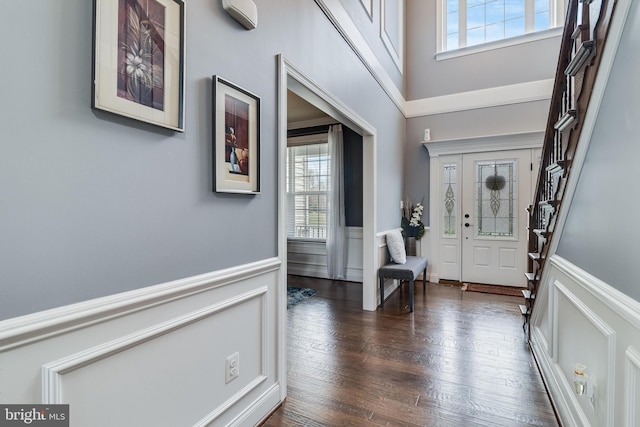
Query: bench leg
point(411, 296)
point(381, 279)
point(424, 279)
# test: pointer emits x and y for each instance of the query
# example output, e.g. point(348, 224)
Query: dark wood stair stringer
point(578, 62)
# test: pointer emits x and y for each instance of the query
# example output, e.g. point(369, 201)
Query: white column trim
point(632, 367)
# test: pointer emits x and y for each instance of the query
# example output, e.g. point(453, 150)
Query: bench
point(407, 271)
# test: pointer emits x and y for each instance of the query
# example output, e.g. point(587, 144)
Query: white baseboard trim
point(231, 401)
point(433, 278)
point(320, 271)
point(548, 371)
point(264, 405)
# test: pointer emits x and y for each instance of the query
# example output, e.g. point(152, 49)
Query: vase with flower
point(412, 226)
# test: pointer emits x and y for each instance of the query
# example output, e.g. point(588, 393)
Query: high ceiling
point(299, 110)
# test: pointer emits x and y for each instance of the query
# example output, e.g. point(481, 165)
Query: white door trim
point(461, 146)
point(291, 78)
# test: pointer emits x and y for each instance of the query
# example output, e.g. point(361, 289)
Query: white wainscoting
point(309, 257)
point(154, 356)
point(584, 320)
point(390, 285)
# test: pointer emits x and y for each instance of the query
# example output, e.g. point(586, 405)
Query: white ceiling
point(299, 110)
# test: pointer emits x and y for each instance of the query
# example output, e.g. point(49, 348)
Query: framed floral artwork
point(236, 139)
point(138, 60)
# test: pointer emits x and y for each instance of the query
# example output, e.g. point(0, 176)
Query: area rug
point(297, 295)
point(493, 289)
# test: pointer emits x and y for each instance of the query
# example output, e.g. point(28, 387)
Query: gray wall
point(601, 234)
point(369, 27)
point(510, 65)
point(92, 204)
point(428, 78)
point(352, 178)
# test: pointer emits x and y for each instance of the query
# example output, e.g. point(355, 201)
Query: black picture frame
point(236, 138)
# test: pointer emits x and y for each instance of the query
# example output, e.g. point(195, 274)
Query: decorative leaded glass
point(496, 188)
point(449, 194)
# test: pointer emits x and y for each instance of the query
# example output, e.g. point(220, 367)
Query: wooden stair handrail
point(574, 82)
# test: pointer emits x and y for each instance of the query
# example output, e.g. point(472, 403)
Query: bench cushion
point(407, 271)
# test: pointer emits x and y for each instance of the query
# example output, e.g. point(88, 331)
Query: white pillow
point(395, 245)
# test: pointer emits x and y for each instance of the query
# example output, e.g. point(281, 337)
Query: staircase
point(583, 39)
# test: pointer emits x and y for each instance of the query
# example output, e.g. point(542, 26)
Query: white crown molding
point(514, 141)
point(484, 98)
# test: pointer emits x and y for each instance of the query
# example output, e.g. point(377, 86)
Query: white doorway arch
point(290, 78)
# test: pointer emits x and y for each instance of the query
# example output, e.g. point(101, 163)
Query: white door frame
point(290, 78)
point(516, 141)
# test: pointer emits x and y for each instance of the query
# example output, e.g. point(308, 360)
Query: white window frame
point(301, 141)
point(556, 21)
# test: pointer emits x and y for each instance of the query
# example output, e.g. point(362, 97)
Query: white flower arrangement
point(416, 215)
point(411, 224)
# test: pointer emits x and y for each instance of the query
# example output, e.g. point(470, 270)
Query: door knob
point(466, 215)
point(466, 224)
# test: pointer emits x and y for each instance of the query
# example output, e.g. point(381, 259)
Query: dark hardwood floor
point(460, 359)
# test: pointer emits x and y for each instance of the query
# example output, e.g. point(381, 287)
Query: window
point(449, 180)
point(496, 198)
point(308, 174)
point(475, 22)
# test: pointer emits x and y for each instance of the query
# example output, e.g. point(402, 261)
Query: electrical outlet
point(427, 135)
point(232, 367)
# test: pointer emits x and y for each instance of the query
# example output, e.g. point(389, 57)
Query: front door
point(496, 190)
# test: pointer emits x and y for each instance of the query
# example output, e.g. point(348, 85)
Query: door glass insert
point(496, 198)
point(449, 193)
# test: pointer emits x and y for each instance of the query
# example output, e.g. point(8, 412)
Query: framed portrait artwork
point(236, 139)
point(138, 60)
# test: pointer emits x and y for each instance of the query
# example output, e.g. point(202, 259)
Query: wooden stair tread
point(581, 58)
point(551, 203)
point(568, 120)
point(534, 256)
point(542, 232)
point(556, 167)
